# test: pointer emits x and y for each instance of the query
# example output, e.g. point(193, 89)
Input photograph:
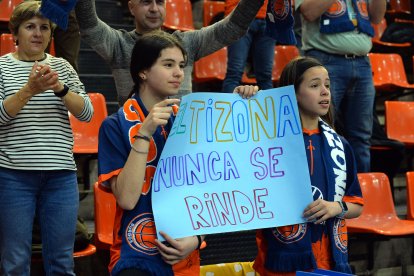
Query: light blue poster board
point(232, 164)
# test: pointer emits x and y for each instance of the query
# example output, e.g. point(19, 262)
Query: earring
point(16, 42)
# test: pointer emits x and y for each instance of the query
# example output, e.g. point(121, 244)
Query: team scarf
point(136, 227)
point(287, 253)
point(58, 11)
point(336, 18)
point(279, 22)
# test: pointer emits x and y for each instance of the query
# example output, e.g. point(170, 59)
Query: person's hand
point(158, 116)
point(43, 78)
point(246, 91)
point(320, 210)
point(176, 250)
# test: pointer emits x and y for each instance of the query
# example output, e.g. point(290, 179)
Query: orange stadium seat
point(105, 209)
point(399, 9)
point(381, 46)
point(283, 54)
point(399, 118)
point(6, 9)
point(388, 73)
point(7, 45)
point(410, 194)
point(210, 10)
point(247, 80)
point(90, 250)
point(179, 15)
point(212, 67)
point(85, 134)
point(379, 215)
point(379, 218)
point(401, 5)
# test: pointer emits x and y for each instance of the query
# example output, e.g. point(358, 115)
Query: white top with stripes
point(40, 136)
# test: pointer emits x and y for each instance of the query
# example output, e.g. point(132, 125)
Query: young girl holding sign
point(130, 145)
point(322, 241)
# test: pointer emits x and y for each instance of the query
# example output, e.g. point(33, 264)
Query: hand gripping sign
point(232, 164)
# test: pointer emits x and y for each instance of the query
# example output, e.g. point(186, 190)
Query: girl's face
point(164, 78)
point(33, 36)
point(314, 95)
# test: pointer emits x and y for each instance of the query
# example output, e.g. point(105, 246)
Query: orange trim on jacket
point(354, 199)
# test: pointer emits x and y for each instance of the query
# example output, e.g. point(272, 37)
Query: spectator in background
point(115, 46)
point(66, 34)
point(197, 10)
point(67, 42)
point(37, 168)
point(255, 41)
point(338, 33)
point(321, 242)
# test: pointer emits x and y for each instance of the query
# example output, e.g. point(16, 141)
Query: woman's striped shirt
point(39, 137)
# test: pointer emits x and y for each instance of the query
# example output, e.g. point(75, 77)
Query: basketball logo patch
point(317, 193)
point(340, 235)
point(280, 9)
point(363, 8)
point(336, 9)
point(141, 234)
point(290, 233)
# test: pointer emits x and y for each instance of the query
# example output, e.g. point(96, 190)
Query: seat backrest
point(211, 67)
point(105, 210)
point(377, 195)
point(179, 15)
point(7, 44)
point(410, 194)
point(6, 9)
point(283, 54)
point(399, 121)
point(387, 69)
point(379, 29)
point(85, 134)
point(402, 6)
point(212, 9)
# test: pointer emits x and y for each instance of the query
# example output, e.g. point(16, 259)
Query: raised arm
point(97, 34)
point(223, 33)
point(377, 10)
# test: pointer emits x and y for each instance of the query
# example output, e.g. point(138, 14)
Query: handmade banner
point(232, 164)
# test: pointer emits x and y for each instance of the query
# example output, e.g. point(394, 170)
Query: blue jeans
point(353, 95)
point(263, 48)
point(53, 196)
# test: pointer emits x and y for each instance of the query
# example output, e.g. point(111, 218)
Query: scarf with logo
point(336, 18)
point(289, 248)
point(279, 22)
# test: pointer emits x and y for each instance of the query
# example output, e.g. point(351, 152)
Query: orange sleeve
point(354, 199)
